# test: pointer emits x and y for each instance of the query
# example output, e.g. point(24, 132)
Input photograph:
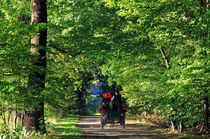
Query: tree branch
point(165, 58)
point(53, 46)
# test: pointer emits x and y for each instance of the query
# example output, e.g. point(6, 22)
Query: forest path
point(90, 126)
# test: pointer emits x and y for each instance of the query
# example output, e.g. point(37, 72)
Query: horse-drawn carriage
point(112, 112)
point(113, 117)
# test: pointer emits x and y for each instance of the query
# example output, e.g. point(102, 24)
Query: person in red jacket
point(105, 104)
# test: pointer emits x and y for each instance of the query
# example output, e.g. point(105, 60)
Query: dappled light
point(113, 60)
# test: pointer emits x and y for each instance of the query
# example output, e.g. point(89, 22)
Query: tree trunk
point(8, 117)
point(205, 35)
point(15, 119)
point(81, 103)
point(172, 126)
point(4, 119)
point(206, 114)
point(22, 117)
point(36, 81)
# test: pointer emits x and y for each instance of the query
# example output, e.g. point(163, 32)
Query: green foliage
point(164, 66)
point(6, 132)
point(157, 50)
point(93, 104)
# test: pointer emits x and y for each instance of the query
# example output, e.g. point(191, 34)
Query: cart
point(112, 117)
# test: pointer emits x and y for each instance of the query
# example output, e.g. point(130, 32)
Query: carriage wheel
point(103, 122)
point(123, 124)
point(123, 121)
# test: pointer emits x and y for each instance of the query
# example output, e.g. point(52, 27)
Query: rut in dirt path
point(90, 126)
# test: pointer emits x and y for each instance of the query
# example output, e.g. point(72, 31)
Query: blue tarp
point(98, 90)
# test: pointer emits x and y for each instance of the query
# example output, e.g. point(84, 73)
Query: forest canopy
point(157, 50)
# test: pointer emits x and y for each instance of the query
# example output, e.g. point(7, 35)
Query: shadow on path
point(90, 126)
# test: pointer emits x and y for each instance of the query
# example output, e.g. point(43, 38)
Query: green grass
point(95, 114)
point(64, 127)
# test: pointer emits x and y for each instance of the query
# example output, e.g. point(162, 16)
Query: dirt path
point(91, 129)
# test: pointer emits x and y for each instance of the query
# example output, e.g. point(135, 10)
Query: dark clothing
point(105, 101)
point(117, 102)
point(105, 105)
point(117, 98)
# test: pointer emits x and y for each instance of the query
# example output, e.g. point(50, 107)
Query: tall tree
point(171, 77)
point(36, 82)
point(205, 36)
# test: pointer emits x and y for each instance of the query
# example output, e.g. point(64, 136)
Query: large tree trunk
point(35, 117)
point(205, 35)
point(206, 114)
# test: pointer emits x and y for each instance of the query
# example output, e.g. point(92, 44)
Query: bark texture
point(35, 117)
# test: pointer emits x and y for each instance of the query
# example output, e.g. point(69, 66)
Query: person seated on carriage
point(116, 101)
point(105, 103)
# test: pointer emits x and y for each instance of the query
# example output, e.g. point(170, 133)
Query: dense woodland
point(53, 51)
